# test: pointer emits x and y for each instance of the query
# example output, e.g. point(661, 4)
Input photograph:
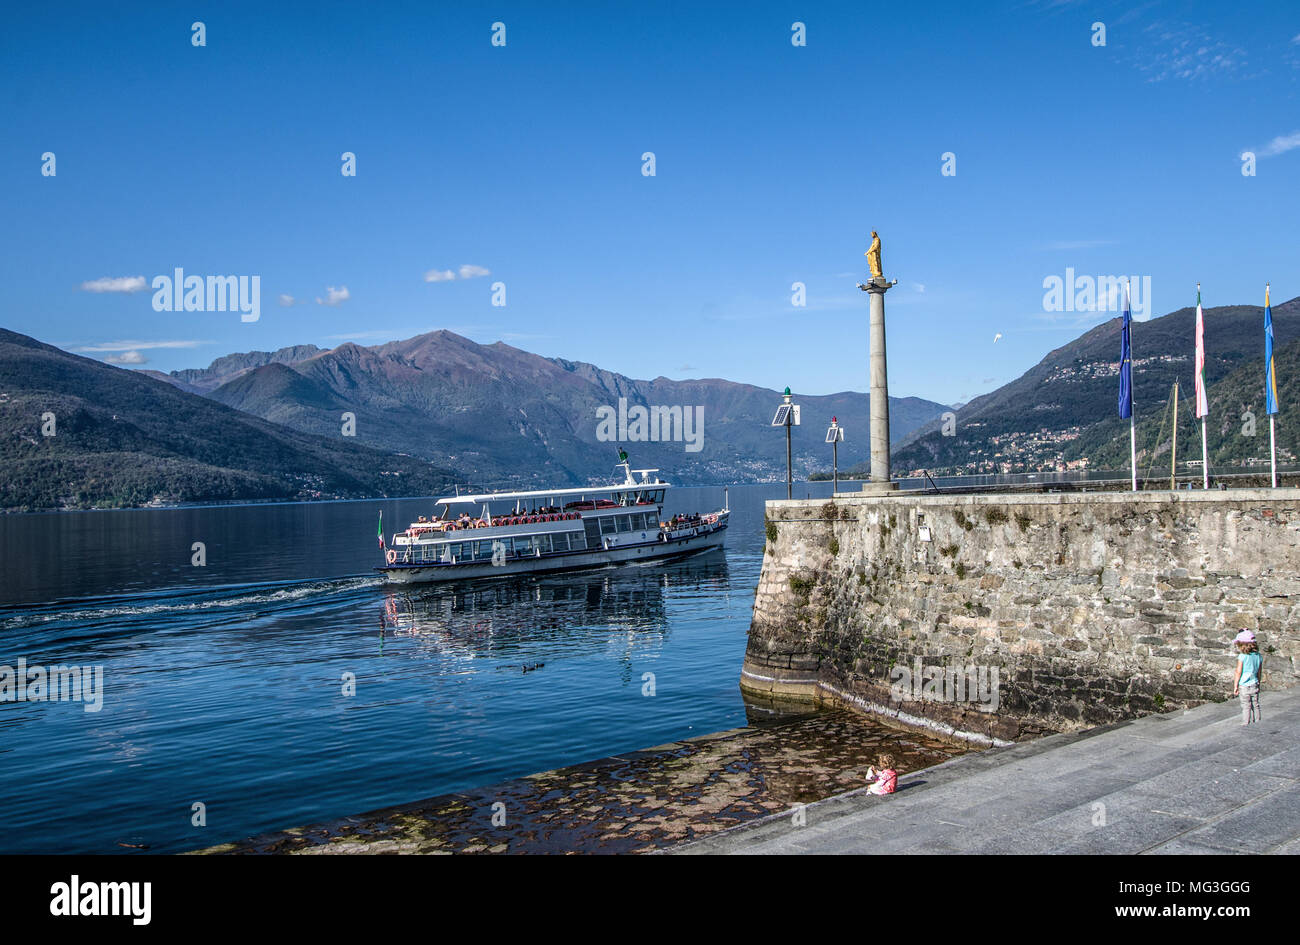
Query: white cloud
point(1295, 40)
point(1187, 51)
point(118, 284)
point(334, 296)
point(127, 357)
point(466, 271)
point(137, 346)
point(919, 286)
point(1280, 145)
point(286, 300)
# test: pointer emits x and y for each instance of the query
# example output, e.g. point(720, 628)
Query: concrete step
point(1189, 782)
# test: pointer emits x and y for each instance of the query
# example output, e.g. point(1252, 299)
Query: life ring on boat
point(392, 556)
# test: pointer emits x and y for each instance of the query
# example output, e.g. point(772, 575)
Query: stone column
point(880, 476)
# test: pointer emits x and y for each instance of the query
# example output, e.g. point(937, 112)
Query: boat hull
point(643, 552)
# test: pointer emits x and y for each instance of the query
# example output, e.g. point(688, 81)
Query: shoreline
point(642, 801)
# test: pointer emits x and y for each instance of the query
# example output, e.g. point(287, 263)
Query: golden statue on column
point(873, 256)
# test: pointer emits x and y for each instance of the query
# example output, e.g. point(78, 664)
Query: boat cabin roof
point(554, 493)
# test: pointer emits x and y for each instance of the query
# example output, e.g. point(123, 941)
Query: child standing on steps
point(1246, 682)
point(884, 779)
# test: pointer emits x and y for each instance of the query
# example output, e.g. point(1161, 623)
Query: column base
point(879, 488)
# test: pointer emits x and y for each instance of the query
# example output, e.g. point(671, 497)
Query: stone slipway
point(1190, 781)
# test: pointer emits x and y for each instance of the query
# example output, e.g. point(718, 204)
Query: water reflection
point(525, 616)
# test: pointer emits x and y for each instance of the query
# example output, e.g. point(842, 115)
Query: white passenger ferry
point(500, 533)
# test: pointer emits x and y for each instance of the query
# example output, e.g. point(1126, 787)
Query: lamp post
point(787, 415)
point(834, 434)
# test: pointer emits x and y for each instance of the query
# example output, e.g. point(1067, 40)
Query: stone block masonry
point(1082, 609)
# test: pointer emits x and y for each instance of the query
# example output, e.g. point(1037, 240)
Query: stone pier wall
point(1084, 608)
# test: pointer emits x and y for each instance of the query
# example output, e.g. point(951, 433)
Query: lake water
point(223, 684)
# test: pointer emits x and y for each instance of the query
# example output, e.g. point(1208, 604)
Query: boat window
point(560, 541)
point(624, 523)
point(607, 526)
point(577, 540)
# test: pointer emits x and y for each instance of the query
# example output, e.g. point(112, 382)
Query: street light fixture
point(787, 415)
point(834, 436)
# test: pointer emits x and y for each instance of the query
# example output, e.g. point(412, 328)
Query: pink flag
point(1202, 402)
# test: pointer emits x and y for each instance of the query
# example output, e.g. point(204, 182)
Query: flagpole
point(1270, 386)
point(1205, 463)
point(1272, 447)
point(1132, 450)
point(1173, 449)
point(1132, 415)
point(1200, 387)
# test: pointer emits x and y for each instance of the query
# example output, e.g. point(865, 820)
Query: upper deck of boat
point(631, 486)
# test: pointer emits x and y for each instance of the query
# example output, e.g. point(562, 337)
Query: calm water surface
point(223, 685)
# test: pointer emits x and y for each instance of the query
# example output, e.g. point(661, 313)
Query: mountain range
point(1062, 413)
point(417, 416)
point(76, 433)
point(411, 417)
point(501, 415)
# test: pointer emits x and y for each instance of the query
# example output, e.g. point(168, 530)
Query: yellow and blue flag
point(1270, 370)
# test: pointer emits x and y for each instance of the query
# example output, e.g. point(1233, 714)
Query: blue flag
point(1126, 365)
point(1270, 371)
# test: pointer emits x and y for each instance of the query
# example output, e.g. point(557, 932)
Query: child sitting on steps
point(884, 779)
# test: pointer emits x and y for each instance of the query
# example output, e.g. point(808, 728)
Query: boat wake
point(97, 610)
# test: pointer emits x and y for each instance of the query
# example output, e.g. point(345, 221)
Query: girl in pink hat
point(1246, 682)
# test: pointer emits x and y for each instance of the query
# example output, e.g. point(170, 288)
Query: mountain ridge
point(509, 415)
point(78, 433)
point(1040, 420)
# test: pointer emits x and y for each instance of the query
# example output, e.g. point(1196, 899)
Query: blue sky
point(773, 163)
